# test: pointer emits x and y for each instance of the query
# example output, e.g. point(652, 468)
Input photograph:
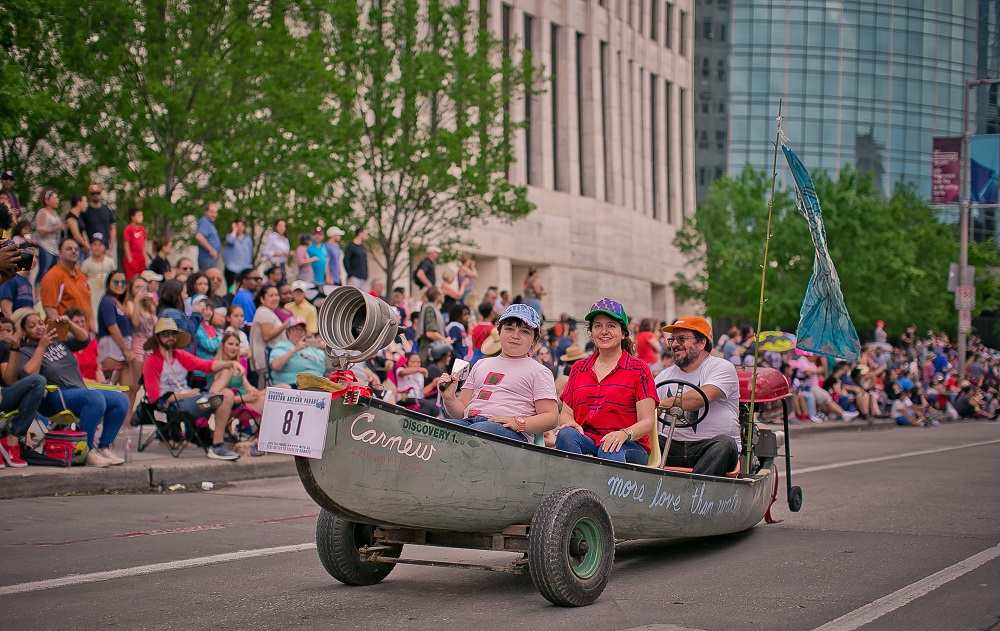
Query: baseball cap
point(609, 307)
point(318, 229)
point(198, 298)
point(150, 276)
point(294, 321)
point(691, 323)
point(434, 250)
point(7, 175)
point(94, 188)
point(521, 312)
point(97, 236)
point(299, 285)
point(334, 231)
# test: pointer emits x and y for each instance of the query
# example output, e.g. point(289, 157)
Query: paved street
point(883, 512)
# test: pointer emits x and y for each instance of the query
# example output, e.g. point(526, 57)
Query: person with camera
point(18, 292)
point(22, 396)
point(43, 353)
point(65, 285)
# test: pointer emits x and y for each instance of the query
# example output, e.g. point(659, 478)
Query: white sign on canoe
point(294, 422)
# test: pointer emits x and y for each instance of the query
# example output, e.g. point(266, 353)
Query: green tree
point(433, 95)
point(175, 103)
point(891, 254)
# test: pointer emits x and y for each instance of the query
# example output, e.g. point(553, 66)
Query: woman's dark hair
point(107, 281)
point(159, 243)
point(277, 221)
point(258, 299)
point(646, 324)
point(170, 296)
point(22, 228)
point(457, 311)
point(73, 201)
point(304, 238)
point(71, 312)
point(192, 279)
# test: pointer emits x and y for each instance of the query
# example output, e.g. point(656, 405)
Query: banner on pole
point(946, 171)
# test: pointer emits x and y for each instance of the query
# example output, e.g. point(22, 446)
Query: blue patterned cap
point(609, 307)
point(524, 313)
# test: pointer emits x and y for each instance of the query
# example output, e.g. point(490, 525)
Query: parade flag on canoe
point(824, 324)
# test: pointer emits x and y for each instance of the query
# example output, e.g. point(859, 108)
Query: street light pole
point(963, 220)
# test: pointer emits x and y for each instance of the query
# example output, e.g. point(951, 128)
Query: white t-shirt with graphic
point(502, 386)
point(723, 414)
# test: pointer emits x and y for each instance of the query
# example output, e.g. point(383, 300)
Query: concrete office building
point(607, 154)
point(867, 83)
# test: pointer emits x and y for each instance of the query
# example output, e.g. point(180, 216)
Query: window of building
point(668, 24)
point(654, 145)
point(554, 67)
point(530, 146)
point(682, 33)
point(720, 32)
point(668, 149)
point(654, 14)
point(706, 29)
point(701, 175)
point(703, 140)
point(722, 107)
point(606, 140)
point(720, 139)
point(705, 69)
point(720, 70)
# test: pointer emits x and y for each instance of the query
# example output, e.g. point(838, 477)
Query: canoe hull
point(389, 466)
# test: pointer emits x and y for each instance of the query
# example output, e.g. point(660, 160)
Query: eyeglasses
point(119, 282)
point(679, 338)
point(187, 269)
point(167, 334)
point(255, 278)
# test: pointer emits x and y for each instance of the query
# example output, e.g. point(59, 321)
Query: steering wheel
point(671, 408)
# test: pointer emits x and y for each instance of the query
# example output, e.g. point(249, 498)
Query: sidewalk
point(155, 469)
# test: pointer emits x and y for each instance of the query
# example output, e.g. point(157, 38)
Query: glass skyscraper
point(865, 83)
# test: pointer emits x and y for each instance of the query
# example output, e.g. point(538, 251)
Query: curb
point(138, 477)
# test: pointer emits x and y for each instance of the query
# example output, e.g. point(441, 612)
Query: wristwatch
point(521, 423)
point(628, 431)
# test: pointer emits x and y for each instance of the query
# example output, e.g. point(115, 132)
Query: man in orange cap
point(712, 446)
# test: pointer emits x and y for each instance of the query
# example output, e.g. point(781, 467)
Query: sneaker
point(255, 453)
point(209, 402)
point(815, 419)
point(111, 456)
point(96, 459)
point(221, 452)
point(850, 416)
point(935, 423)
point(11, 454)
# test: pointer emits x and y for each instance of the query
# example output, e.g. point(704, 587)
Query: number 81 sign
point(294, 422)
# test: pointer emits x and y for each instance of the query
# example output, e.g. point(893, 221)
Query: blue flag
point(824, 324)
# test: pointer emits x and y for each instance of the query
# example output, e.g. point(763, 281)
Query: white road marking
point(909, 454)
point(887, 604)
point(96, 577)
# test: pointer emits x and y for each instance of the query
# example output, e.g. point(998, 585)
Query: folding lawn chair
point(174, 428)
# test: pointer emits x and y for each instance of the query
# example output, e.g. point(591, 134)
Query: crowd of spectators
point(87, 309)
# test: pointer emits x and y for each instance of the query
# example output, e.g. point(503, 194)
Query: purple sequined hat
point(609, 307)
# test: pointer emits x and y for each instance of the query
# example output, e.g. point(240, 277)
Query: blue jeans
point(205, 261)
point(568, 439)
point(484, 425)
point(24, 396)
point(45, 263)
point(90, 406)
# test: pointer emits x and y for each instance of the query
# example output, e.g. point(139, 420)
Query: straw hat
point(573, 353)
point(167, 324)
point(491, 347)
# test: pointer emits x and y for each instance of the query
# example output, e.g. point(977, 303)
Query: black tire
point(565, 574)
point(795, 499)
point(338, 541)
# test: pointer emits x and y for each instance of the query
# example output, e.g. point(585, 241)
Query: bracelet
point(521, 423)
point(628, 431)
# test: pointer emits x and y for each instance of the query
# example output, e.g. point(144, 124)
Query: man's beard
point(685, 362)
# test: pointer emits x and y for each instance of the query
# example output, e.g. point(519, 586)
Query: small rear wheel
point(795, 499)
point(571, 547)
point(339, 543)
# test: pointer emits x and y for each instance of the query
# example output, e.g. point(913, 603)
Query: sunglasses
point(168, 333)
point(119, 282)
point(187, 269)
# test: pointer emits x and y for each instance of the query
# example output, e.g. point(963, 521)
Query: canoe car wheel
point(339, 541)
point(571, 547)
point(795, 499)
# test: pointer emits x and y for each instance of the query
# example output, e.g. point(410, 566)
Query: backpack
point(426, 311)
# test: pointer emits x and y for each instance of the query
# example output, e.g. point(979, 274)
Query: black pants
point(713, 456)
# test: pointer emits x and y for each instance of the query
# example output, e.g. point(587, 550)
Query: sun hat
point(300, 285)
point(19, 314)
point(151, 277)
point(521, 312)
point(294, 321)
point(608, 307)
point(491, 345)
point(334, 231)
point(163, 325)
point(691, 323)
point(573, 353)
point(433, 250)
